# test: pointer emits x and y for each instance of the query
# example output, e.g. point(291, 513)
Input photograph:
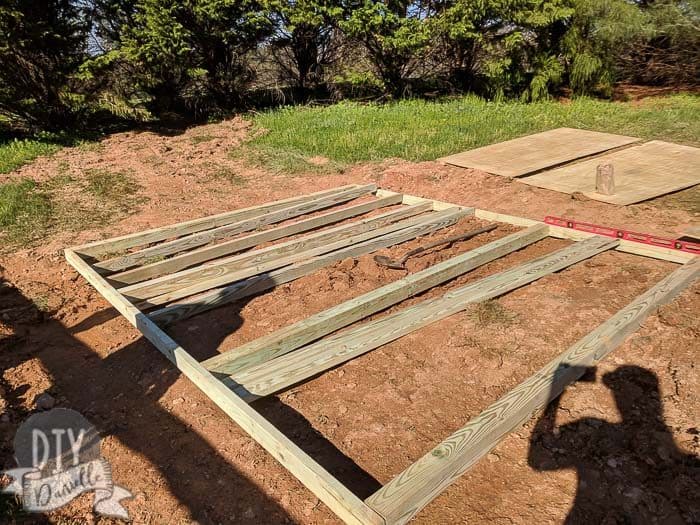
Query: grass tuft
point(15, 153)
point(491, 312)
point(199, 139)
point(110, 185)
point(284, 160)
point(230, 176)
point(25, 211)
point(29, 211)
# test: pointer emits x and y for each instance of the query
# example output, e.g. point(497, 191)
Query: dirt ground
point(625, 441)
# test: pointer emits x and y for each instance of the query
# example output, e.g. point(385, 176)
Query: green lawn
point(16, 152)
point(418, 130)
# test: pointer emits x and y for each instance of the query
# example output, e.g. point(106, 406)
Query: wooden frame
point(196, 279)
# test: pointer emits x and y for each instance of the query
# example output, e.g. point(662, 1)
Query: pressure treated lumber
point(287, 370)
point(124, 242)
point(214, 298)
point(278, 255)
point(407, 493)
point(228, 230)
point(221, 275)
point(248, 259)
point(208, 253)
point(328, 489)
point(635, 248)
point(294, 336)
point(412, 199)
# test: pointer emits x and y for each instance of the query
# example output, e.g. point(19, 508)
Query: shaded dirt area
point(365, 421)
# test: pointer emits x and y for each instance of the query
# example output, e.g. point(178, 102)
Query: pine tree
point(42, 44)
point(192, 55)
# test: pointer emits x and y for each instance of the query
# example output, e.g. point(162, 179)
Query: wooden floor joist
point(415, 487)
point(177, 311)
point(201, 238)
point(405, 230)
point(344, 503)
point(279, 254)
point(191, 258)
point(328, 321)
point(117, 244)
point(196, 275)
point(275, 375)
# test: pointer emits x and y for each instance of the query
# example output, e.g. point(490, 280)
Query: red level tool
point(644, 238)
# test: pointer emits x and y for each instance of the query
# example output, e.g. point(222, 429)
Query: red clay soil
point(630, 430)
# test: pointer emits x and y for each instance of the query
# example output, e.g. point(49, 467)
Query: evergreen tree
point(305, 40)
point(395, 35)
point(192, 55)
point(42, 44)
point(599, 32)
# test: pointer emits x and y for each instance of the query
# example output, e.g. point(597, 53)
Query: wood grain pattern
point(201, 303)
point(692, 232)
point(636, 248)
point(328, 489)
point(124, 242)
point(228, 230)
point(208, 253)
point(415, 487)
point(642, 172)
point(287, 370)
point(266, 259)
point(517, 157)
point(307, 330)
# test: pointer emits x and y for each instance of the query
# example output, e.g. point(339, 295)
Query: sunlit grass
point(419, 130)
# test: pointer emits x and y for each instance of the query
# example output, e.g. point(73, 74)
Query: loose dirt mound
point(369, 419)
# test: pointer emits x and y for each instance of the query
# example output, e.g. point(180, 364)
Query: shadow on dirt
point(120, 395)
point(628, 472)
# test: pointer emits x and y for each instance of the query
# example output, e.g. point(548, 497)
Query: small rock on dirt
point(44, 401)
point(578, 196)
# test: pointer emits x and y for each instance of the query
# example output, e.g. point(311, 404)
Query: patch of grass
point(491, 312)
point(285, 160)
point(41, 303)
point(25, 211)
point(110, 185)
point(419, 130)
point(198, 139)
point(29, 211)
point(229, 175)
point(17, 152)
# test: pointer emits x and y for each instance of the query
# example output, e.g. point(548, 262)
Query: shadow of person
point(628, 472)
point(122, 395)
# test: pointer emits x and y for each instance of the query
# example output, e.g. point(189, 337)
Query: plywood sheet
point(692, 233)
point(641, 172)
point(517, 157)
